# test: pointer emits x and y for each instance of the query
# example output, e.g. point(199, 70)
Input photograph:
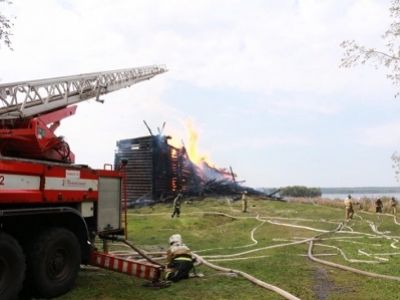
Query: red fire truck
point(51, 210)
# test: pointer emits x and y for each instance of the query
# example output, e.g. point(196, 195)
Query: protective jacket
point(180, 262)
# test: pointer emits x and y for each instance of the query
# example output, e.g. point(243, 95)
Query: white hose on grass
point(384, 254)
point(351, 242)
point(238, 258)
point(298, 226)
point(375, 229)
point(254, 280)
point(286, 294)
point(348, 227)
point(346, 268)
point(349, 259)
point(360, 251)
point(260, 249)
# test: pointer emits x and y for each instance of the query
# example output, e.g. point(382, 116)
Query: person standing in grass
point(378, 205)
point(244, 201)
point(177, 205)
point(393, 204)
point(348, 203)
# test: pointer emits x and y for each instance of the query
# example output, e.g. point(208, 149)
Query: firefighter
point(393, 204)
point(177, 205)
point(244, 201)
point(179, 259)
point(378, 205)
point(348, 203)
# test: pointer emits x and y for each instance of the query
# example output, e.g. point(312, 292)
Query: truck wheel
point(53, 263)
point(12, 267)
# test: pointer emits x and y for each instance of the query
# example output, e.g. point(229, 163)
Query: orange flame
point(191, 148)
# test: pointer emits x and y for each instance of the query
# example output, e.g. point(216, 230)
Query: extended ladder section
point(31, 111)
point(31, 98)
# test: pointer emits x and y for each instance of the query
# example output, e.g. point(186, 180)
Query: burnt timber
point(156, 171)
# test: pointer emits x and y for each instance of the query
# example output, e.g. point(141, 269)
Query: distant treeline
point(302, 191)
point(360, 190)
point(299, 191)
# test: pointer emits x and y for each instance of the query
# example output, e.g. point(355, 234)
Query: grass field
point(368, 243)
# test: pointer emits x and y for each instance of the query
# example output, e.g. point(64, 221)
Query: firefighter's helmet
point(175, 239)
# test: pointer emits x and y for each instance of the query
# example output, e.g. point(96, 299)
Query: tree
point(5, 28)
point(355, 54)
point(396, 165)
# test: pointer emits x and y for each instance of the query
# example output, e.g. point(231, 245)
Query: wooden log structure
point(157, 171)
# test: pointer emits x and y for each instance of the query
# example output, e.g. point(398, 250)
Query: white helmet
point(175, 239)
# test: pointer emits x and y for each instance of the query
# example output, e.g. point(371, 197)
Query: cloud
point(383, 135)
point(257, 46)
point(299, 104)
point(263, 142)
point(282, 57)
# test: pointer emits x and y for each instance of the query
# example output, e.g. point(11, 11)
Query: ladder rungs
point(30, 98)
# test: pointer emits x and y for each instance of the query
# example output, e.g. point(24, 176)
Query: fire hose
point(252, 279)
point(346, 268)
point(263, 284)
point(140, 252)
point(311, 240)
point(310, 255)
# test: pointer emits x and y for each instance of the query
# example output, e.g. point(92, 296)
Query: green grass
point(286, 267)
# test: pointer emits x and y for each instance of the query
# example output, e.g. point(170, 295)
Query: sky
point(258, 79)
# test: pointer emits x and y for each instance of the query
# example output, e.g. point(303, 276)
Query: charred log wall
point(151, 167)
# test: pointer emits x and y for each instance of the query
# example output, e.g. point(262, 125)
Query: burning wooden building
point(156, 171)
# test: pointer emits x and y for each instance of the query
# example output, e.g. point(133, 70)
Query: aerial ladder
point(31, 111)
point(51, 210)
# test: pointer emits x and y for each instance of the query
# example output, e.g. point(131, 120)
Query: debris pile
point(156, 171)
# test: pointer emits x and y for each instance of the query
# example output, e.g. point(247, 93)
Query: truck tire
point(53, 262)
point(12, 267)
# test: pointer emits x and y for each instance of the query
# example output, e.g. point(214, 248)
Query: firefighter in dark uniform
point(177, 205)
point(378, 205)
point(179, 258)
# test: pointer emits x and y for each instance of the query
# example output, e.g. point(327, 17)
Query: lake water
point(362, 195)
